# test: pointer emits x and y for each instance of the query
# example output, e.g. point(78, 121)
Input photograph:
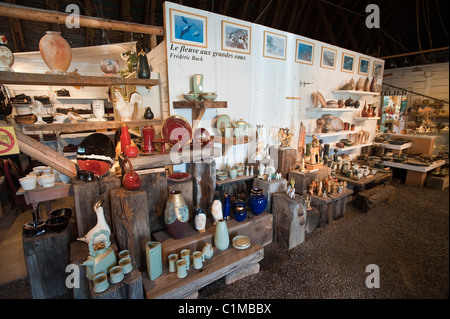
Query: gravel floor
point(408, 239)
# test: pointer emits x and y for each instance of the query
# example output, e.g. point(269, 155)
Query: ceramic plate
point(96, 153)
point(177, 130)
point(201, 135)
point(179, 177)
point(223, 121)
point(241, 242)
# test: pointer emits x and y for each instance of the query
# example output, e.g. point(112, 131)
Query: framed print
point(236, 37)
point(188, 28)
point(328, 58)
point(274, 45)
point(363, 66)
point(304, 52)
point(348, 61)
point(378, 68)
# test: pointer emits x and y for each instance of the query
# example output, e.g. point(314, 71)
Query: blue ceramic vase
point(257, 201)
point(240, 214)
point(226, 206)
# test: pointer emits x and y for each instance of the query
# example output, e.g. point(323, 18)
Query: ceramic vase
point(176, 215)
point(221, 236)
point(365, 111)
point(143, 69)
point(6, 56)
point(55, 52)
point(148, 133)
point(125, 139)
point(148, 114)
point(200, 220)
point(257, 201)
point(374, 84)
point(226, 206)
point(216, 210)
point(240, 214)
point(154, 259)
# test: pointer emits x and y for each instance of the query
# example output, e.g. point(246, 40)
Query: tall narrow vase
point(154, 259)
point(226, 206)
point(176, 215)
point(221, 236)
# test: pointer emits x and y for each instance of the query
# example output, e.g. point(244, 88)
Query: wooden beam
point(16, 31)
point(294, 15)
point(244, 10)
point(89, 32)
point(277, 14)
point(41, 15)
point(413, 53)
point(226, 3)
point(325, 22)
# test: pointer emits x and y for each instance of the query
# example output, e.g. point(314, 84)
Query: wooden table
point(416, 175)
point(366, 182)
point(46, 195)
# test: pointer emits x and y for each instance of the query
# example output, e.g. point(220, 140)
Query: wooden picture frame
point(236, 37)
point(328, 58)
point(275, 45)
point(188, 28)
point(363, 66)
point(378, 68)
point(304, 52)
point(348, 62)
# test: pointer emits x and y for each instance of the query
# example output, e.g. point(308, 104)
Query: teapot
point(241, 128)
point(101, 258)
point(130, 179)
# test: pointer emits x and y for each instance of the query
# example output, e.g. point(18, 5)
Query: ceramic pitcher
point(154, 259)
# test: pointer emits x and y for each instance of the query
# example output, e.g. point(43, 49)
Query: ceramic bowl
point(61, 212)
point(222, 175)
point(190, 96)
point(28, 182)
point(39, 169)
point(208, 96)
point(240, 172)
point(57, 224)
point(64, 178)
point(47, 180)
point(29, 229)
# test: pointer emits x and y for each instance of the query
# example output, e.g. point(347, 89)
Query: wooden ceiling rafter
point(294, 16)
point(17, 32)
point(325, 22)
point(244, 10)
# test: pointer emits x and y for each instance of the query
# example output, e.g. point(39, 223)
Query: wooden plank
point(204, 183)
point(34, 14)
point(200, 104)
point(69, 80)
point(155, 185)
point(169, 286)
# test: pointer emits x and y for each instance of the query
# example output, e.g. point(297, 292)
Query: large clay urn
point(55, 52)
point(176, 215)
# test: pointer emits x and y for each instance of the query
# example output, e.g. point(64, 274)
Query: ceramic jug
point(221, 236)
point(130, 179)
point(154, 259)
point(257, 201)
point(176, 215)
point(172, 259)
point(198, 259)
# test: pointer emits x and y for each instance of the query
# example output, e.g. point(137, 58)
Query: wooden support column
point(204, 178)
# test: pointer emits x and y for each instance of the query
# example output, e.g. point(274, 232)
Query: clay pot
point(55, 52)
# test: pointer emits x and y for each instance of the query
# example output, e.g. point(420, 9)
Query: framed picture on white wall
point(328, 58)
point(363, 66)
point(188, 28)
point(236, 37)
point(274, 45)
point(304, 52)
point(348, 61)
point(377, 68)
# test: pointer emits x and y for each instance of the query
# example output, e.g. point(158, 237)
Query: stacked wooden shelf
point(227, 142)
point(198, 108)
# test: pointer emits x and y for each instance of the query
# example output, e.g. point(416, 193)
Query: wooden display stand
point(222, 263)
point(46, 259)
point(289, 216)
point(438, 182)
point(270, 188)
point(381, 177)
point(86, 194)
point(303, 179)
point(131, 223)
point(285, 157)
point(204, 182)
point(332, 207)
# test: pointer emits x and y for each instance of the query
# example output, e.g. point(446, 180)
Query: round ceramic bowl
point(30, 230)
point(208, 96)
point(47, 180)
point(61, 212)
point(222, 176)
point(57, 224)
point(63, 178)
point(240, 172)
point(190, 96)
point(28, 182)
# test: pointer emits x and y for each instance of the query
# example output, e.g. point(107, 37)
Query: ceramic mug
point(100, 283)
point(182, 268)
point(173, 262)
point(98, 108)
point(199, 258)
point(185, 254)
point(124, 254)
point(126, 265)
point(116, 275)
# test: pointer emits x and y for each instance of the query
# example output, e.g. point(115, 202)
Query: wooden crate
point(438, 182)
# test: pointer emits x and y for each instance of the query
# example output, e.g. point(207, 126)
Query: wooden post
point(204, 178)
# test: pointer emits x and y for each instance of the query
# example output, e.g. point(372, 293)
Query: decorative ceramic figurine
point(101, 225)
point(6, 56)
point(126, 108)
point(216, 210)
point(200, 219)
point(176, 215)
point(291, 189)
point(55, 52)
point(131, 59)
point(148, 114)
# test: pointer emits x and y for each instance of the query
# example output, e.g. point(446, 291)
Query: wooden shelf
point(70, 80)
point(87, 126)
point(393, 146)
point(227, 142)
point(355, 92)
point(229, 180)
point(199, 108)
point(330, 109)
point(330, 134)
point(364, 118)
point(352, 147)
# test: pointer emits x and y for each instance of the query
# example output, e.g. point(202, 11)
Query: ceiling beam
point(325, 22)
point(16, 33)
point(244, 10)
point(41, 15)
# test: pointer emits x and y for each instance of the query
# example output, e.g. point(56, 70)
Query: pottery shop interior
point(224, 149)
